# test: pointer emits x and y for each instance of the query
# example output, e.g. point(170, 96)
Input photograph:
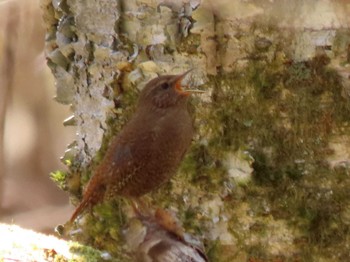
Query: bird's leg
point(167, 220)
point(140, 208)
point(161, 216)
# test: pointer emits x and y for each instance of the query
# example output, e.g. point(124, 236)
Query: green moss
point(202, 168)
point(284, 114)
point(190, 44)
point(102, 227)
point(257, 252)
point(214, 250)
point(59, 177)
point(87, 254)
point(190, 221)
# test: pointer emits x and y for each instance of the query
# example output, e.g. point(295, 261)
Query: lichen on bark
point(261, 180)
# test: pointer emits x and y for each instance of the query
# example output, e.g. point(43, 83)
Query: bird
point(148, 150)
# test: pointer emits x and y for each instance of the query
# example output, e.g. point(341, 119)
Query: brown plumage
point(148, 150)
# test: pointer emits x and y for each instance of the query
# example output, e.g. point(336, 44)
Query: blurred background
point(32, 136)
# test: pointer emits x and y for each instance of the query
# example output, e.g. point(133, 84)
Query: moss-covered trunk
point(267, 175)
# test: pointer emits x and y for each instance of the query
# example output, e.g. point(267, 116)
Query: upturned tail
point(94, 193)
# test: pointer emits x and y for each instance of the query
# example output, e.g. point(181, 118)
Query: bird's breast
point(158, 151)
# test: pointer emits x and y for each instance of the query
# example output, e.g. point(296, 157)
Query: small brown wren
point(148, 150)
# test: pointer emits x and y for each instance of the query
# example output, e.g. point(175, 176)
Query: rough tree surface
point(267, 176)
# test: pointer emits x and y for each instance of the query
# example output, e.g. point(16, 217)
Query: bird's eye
point(165, 86)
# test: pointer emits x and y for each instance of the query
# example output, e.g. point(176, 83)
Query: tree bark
point(276, 108)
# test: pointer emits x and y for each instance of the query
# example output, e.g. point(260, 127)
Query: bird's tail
point(94, 193)
point(83, 204)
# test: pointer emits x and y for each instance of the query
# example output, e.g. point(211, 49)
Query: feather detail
point(94, 194)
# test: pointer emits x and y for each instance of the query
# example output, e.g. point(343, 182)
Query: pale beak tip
point(194, 91)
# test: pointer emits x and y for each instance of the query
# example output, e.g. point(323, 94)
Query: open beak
point(178, 79)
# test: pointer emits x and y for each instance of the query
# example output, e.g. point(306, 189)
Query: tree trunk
point(261, 181)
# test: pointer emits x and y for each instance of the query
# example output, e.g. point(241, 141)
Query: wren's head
point(164, 92)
